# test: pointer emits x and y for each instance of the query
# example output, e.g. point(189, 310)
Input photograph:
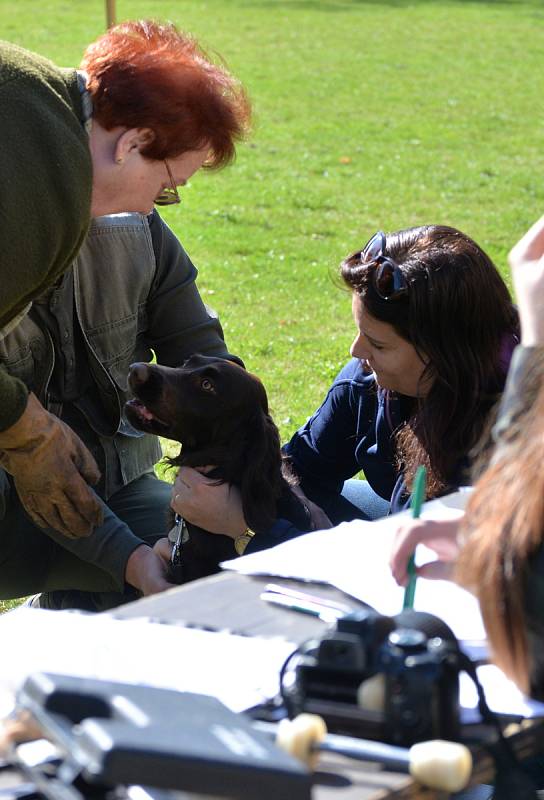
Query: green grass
point(368, 115)
point(8, 605)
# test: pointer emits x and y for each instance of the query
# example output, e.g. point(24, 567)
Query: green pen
point(418, 496)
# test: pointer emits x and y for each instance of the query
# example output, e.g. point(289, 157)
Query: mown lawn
point(368, 114)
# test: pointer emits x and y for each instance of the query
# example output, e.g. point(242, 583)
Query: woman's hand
point(147, 571)
point(526, 261)
point(439, 536)
point(202, 501)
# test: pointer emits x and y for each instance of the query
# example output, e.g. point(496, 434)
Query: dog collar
point(242, 541)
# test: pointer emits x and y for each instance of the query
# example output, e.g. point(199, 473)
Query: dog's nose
point(138, 373)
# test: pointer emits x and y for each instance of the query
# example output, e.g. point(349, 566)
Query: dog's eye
point(207, 385)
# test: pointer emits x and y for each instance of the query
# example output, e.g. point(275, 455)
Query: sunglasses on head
point(387, 277)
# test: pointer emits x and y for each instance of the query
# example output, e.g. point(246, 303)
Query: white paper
point(241, 671)
point(354, 557)
point(501, 694)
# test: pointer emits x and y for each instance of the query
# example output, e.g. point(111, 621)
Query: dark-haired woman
point(436, 329)
point(497, 550)
point(435, 332)
point(144, 112)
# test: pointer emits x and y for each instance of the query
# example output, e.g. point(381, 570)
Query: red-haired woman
point(144, 112)
point(498, 550)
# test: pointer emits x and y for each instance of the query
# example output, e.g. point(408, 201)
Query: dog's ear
point(262, 483)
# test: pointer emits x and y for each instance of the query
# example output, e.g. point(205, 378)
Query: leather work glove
point(51, 468)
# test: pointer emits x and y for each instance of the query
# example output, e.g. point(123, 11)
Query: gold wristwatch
point(242, 541)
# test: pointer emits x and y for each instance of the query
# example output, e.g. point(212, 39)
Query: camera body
point(412, 658)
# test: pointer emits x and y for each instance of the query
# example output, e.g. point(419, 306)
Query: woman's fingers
point(163, 548)
point(436, 570)
point(526, 260)
point(407, 536)
point(530, 247)
point(215, 507)
point(440, 536)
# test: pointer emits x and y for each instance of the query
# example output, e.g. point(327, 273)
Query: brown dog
point(219, 414)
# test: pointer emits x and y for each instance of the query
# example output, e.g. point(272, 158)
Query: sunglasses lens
point(387, 277)
point(389, 280)
point(167, 198)
point(374, 248)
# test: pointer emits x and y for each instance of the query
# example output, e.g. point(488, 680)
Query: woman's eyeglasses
point(387, 277)
point(169, 195)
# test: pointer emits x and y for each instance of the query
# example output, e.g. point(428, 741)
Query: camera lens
point(430, 625)
point(408, 639)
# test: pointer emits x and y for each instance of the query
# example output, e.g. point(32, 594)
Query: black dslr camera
point(417, 659)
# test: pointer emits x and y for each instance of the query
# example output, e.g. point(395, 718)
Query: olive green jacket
point(45, 189)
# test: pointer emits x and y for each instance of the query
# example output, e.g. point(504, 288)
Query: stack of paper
point(239, 670)
point(354, 557)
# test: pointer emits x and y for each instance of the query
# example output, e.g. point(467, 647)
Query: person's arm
point(44, 144)
point(526, 261)
point(118, 551)
point(323, 452)
point(520, 391)
point(179, 323)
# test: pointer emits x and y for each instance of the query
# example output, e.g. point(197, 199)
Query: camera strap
point(511, 779)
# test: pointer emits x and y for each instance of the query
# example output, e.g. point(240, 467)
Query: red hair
point(144, 74)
